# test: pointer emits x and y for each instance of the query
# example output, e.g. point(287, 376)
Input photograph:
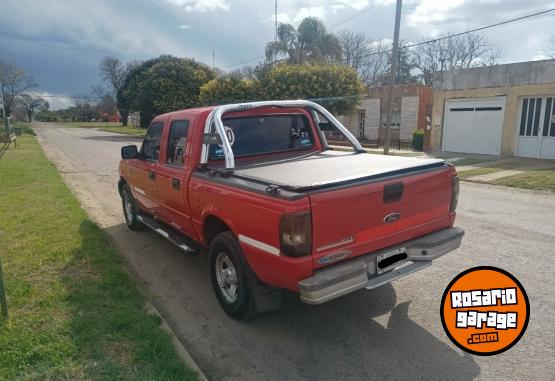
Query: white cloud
point(201, 5)
point(356, 4)
point(319, 12)
point(185, 26)
point(432, 11)
point(55, 101)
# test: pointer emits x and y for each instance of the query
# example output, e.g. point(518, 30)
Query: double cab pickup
point(258, 187)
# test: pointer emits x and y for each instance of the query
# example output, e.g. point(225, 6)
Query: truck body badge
point(391, 218)
point(334, 257)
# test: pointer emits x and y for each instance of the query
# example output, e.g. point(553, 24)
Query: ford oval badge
point(391, 218)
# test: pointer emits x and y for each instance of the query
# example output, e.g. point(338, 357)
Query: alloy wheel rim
point(226, 275)
point(128, 207)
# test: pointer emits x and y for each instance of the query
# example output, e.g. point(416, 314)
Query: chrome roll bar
point(215, 119)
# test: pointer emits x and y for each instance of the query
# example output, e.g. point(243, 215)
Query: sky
point(61, 42)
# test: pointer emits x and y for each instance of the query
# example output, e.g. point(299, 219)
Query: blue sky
point(60, 42)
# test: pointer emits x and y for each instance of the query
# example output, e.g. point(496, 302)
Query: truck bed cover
point(327, 168)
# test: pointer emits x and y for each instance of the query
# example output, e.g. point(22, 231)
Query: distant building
point(134, 119)
point(114, 118)
point(411, 104)
point(504, 110)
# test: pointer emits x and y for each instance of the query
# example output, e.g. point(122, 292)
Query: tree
point(13, 82)
point(406, 65)
point(163, 84)
point(454, 52)
point(84, 109)
point(310, 42)
point(113, 72)
point(106, 102)
point(230, 88)
point(368, 57)
point(336, 87)
point(31, 104)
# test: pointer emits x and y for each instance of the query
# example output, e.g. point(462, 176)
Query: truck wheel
point(231, 277)
point(130, 209)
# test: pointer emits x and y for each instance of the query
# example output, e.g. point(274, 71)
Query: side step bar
point(180, 240)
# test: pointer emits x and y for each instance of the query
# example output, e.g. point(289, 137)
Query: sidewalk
point(515, 172)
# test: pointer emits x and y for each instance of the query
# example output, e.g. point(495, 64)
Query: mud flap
point(266, 297)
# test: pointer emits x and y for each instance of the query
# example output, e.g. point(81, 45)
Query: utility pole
point(2, 98)
point(275, 17)
point(392, 75)
point(214, 59)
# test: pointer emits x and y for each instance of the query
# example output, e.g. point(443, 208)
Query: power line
point(180, 22)
point(353, 16)
point(244, 62)
point(68, 96)
point(482, 28)
point(423, 42)
point(458, 34)
point(331, 27)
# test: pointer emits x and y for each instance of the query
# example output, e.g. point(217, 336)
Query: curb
point(180, 349)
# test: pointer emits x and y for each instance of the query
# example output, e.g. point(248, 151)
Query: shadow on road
point(342, 336)
point(363, 335)
point(115, 138)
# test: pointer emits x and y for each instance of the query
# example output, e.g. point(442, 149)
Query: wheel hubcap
point(128, 207)
point(226, 276)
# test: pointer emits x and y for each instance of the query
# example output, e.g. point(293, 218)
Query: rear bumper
point(346, 277)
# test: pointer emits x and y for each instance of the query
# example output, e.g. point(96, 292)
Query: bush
point(229, 88)
point(418, 140)
point(336, 87)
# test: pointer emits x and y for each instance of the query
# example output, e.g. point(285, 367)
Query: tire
point(228, 268)
point(130, 209)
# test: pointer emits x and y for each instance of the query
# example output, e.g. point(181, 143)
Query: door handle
point(151, 175)
point(176, 184)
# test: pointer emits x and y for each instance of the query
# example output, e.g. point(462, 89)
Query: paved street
point(392, 332)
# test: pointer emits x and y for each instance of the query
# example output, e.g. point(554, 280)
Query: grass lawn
point(74, 312)
point(541, 179)
point(470, 161)
point(126, 130)
point(478, 171)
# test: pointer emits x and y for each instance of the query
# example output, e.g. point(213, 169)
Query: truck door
point(143, 171)
point(172, 178)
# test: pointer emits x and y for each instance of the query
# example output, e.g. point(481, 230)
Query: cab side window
point(150, 149)
point(177, 141)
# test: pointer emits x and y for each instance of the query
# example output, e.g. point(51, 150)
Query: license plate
point(390, 259)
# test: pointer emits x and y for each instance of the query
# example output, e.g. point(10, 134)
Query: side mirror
point(129, 152)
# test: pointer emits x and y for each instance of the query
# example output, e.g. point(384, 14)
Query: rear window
point(257, 135)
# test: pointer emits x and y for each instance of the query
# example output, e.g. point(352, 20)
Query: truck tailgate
point(361, 218)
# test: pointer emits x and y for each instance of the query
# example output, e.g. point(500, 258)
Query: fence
point(397, 144)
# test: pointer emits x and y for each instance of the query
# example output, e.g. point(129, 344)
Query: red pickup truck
point(278, 208)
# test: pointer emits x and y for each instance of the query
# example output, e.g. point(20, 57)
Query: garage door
point(473, 125)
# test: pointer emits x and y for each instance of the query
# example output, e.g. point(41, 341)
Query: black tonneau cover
point(330, 168)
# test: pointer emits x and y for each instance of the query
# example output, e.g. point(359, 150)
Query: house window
point(395, 119)
point(549, 118)
point(362, 123)
point(530, 116)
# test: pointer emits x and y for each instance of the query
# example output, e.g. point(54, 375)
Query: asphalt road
point(392, 332)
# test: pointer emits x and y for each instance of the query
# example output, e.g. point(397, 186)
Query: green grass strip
point(75, 313)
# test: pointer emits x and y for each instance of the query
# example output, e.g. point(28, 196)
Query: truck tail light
point(295, 234)
point(454, 193)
